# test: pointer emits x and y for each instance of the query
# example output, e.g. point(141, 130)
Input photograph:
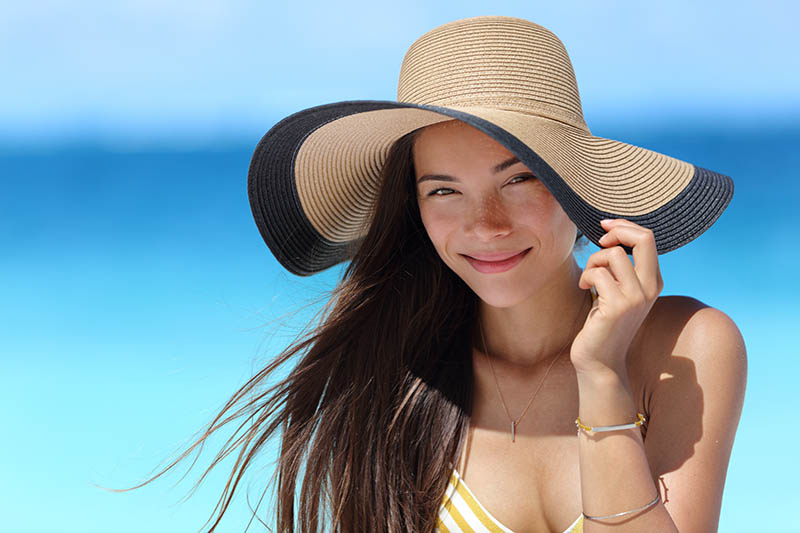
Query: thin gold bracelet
point(597, 429)
point(623, 513)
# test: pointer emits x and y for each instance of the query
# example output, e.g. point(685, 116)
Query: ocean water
point(138, 295)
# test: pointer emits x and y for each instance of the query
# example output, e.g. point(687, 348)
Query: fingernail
point(605, 220)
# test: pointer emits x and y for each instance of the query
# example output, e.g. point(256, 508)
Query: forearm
point(615, 474)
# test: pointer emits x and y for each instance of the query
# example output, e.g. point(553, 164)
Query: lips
point(496, 262)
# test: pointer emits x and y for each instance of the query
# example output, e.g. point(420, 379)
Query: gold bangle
point(598, 429)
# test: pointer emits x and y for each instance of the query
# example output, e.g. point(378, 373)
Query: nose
point(488, 219)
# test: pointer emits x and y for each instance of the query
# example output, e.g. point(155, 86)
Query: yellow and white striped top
point(462, 512)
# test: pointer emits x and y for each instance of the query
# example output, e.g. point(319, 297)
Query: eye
point(521, 178)
point(442, 191)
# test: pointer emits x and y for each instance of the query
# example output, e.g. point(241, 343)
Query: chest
point(533, 483)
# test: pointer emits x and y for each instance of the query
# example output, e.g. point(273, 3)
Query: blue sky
point(139, 294)
point(152, 69)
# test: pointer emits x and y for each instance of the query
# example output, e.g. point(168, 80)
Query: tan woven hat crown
point(513, 80)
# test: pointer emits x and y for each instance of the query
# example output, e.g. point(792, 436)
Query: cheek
point(438, 225)
point(544, 216)
point(564, 230)
point(534, 212)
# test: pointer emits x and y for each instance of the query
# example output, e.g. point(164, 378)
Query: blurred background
point(137, 294)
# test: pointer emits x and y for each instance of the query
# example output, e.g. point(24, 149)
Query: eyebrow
point(444, 177)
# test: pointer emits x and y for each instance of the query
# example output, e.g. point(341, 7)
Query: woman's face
point(489, 218)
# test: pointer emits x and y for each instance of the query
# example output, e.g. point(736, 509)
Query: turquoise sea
point(137, 295)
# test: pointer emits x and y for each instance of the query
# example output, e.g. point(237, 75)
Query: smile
point(494, 263)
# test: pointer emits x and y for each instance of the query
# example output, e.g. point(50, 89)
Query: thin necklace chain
point(514, 422)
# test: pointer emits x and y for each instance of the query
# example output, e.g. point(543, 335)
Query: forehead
point(454, 131)
point(454, 143)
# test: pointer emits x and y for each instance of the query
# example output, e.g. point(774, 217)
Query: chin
point(501, 290)
point(501, 301)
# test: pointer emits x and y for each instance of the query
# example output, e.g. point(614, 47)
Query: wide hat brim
point(314, 176)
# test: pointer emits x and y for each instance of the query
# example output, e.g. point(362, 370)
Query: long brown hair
point(372, 416)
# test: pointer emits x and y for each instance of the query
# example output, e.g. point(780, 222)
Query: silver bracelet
point(623, 513)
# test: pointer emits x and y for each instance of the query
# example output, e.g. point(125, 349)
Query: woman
point(464, 347)
point(507, 237)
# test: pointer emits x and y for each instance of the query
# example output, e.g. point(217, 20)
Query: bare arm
point(695, 408)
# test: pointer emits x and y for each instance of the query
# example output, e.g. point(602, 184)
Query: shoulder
point(685, 344)
point(697, 372)
point(682, 326)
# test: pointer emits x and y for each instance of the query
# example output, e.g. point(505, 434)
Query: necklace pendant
point(513, 431)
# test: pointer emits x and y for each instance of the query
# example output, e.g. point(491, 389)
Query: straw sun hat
point(314, 175)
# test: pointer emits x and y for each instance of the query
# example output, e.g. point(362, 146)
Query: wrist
point(605, 398)
point(603, 377)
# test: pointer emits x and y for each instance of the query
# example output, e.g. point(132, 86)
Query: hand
point(625, 294)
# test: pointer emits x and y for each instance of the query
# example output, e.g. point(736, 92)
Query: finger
point(616, 261)
point(601, 279)
point(609, 223)
point(645, 254)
